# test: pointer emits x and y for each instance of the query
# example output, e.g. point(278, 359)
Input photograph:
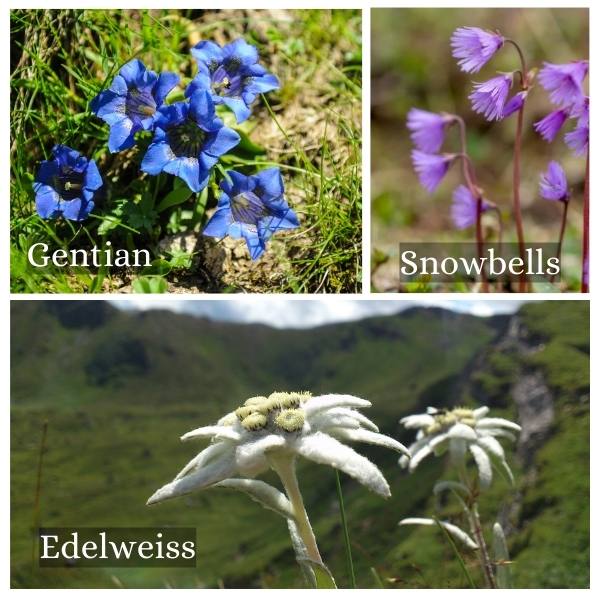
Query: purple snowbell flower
point(428, 129)
point(431, 168)
point(490, 96)
point(514, 104)
point(553, 183)
point(564, 82)
point(464, 207)
point(550, 125)
point(578, 139)
point(474, 47)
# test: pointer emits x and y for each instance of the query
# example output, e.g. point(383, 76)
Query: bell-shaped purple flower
point(550, 125)
point(564, 82)
point(188, 141)
point(232, 75)
point(474, 47)
point(489, 97)
point(578, 139)
point(252, 207)
point(65, 185)
point(553, 183)
point(131, 103)
point(514, 104)
point(431, 168)
point(428, 129)
point(464, 207)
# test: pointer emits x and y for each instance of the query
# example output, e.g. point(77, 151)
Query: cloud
point(296, 312)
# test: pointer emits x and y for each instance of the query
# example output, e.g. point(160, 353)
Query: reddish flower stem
point(561, 236)
point(469, 176)
point(517, 168)
point(585, 255)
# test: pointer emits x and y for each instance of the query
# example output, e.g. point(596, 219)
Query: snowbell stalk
point(517, 163)
point(270, 433)
point(460, 430)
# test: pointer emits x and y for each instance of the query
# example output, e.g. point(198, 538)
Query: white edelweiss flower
point(244, 441)
point(455, 531)
point(270, 432)
point(460, 430)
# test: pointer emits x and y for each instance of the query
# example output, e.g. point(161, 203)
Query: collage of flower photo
point(299, 299)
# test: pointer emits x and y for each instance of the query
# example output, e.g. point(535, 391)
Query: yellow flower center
point(445, 419)
point(291, 419)
point(254, 421)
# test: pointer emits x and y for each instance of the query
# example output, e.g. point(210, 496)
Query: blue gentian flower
point(232, 75)
point(253, 208)
point(188, 141)
point(132, 101)
point(65, 185)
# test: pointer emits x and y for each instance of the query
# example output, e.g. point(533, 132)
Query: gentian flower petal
point(77, 210)
point(218, 225)
point(224, 140)
point(240, 51)
point(47, 202)
point(270, 182)
point(238, 107)
point(207, 53)
point(122, 135)
point(157, 156)
point(166, 82)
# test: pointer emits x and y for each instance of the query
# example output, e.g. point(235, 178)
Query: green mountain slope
point(118, 389)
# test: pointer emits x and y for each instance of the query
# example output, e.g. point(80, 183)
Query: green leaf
point(150, 285)
point(178, 196)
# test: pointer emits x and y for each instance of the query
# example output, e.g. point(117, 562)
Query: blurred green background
point(412, 66)
point(118, 389)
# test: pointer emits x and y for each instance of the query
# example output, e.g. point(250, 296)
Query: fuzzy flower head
point(231, 75)
point(431, 168)
point(489, 97)
point(131, 103)
point(252, 207)
point(427, 129)
point(564, 82)
point(244, 441)
point(65, 185)
point(188, 141)
point(464, 207)
point(553, 183)
point(474, 47)
point(459, 430)
point(551, 124)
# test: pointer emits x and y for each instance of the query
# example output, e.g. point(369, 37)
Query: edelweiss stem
point(486, 563)
point(285, 467)
point(476, 531)
point(585, 258)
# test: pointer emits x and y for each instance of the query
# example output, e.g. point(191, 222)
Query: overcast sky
point(288, 312)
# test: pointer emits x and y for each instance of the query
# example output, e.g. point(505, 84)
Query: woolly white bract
point(459, 430)
point(244, 441)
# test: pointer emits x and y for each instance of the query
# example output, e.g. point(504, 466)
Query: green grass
point(310, 129)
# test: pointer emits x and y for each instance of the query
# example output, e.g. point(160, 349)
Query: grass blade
point(345, 529)
point(457, 553)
